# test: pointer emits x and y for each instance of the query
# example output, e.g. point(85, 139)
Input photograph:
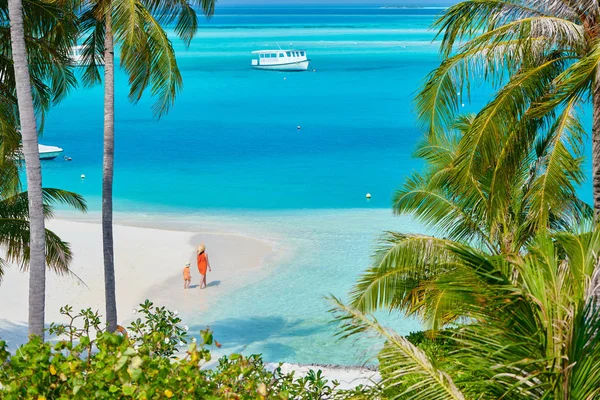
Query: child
point(187, 276)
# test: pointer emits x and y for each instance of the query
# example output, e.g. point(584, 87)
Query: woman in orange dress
point(203, 265)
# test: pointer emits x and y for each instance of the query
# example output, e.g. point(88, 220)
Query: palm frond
point(574, 82)
point(17, 206)
point(442, 210)
point(560, 171)
point(466, 19)
point(58, 196)
point(147, 55)
point(584, 379)
point(93, 30)
point(483, 141)
point(14, 236)
point(401, 360)
point(439, 99)
point(404, 272)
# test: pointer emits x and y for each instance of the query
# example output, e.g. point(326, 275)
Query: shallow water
point(282, 312)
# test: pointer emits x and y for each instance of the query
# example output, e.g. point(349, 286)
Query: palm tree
point(15, 230)
point(542, 55)
point(499, 210)
point(532, 330)
point(149, 60)
point(46, 36)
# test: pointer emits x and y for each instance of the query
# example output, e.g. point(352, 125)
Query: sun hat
point(201, 248)
point(187, 264)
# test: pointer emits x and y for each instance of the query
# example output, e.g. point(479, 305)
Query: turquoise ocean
point(229, 152)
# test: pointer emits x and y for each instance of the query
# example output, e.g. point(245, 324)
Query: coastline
point(151, 260)
point(348, 377)
point(274, 304)
point(149, 264)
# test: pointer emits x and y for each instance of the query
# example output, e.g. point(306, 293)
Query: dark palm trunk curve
point(107, 180)
point(33, 171)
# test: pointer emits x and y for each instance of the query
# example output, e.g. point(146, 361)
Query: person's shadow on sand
point(210, 284)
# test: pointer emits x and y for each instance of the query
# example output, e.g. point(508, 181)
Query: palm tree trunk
point(33, 170)
point(596, 176)
point(596, 146)
point(107, 178)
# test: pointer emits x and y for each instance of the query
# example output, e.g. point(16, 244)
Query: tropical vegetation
point(36, 72)
point(15, 232)
point(507, 276)
point(530, 326)
point(506, 280)
point(499, 210)
point(43, 35)
point(148, 58)
point(89, 362)
point(542, 57)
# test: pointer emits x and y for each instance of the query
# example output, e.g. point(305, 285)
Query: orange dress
point(202, 263)
point(187, 276)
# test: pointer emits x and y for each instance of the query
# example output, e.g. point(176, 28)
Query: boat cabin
point(268, 58)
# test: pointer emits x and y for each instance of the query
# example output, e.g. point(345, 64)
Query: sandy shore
point(149, 264)
point(347, 377)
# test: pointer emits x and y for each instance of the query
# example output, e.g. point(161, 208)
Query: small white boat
point(77, 57)
point(281, 60)
point(49, 152)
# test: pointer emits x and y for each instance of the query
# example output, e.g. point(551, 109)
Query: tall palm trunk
point(596, 173)
point(33, 170)
point(596, 144)
point(107, 178)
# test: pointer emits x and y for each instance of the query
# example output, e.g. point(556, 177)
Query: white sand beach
point(149, 264)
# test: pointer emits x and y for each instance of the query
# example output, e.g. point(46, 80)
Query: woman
point(203, 264)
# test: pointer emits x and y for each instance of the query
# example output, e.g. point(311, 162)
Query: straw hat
point(201, 248)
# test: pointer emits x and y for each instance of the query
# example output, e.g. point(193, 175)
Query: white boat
point(49, 152)
point(77, 57)
point(281, 60)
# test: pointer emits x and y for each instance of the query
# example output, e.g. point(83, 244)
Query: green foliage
point(88, 362)
point(146, 52)
point(159, 323)
point(50, 32)
point(14, 226)
point(498, 208)
point(542, 57)
point(510, 261)
point(437, 346)
point(530, 326)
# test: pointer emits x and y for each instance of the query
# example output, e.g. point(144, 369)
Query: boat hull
point(51, 155)
point(294, 66)
point(49, 152)
point(46, 152)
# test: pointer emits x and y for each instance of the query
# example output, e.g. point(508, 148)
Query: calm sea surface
point(231, 141)
point(230, 151)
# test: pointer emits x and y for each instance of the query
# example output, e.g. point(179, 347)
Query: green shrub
point(156, 359)
point(436, 346)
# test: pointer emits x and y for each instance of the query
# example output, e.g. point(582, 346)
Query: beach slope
point(148, 265)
